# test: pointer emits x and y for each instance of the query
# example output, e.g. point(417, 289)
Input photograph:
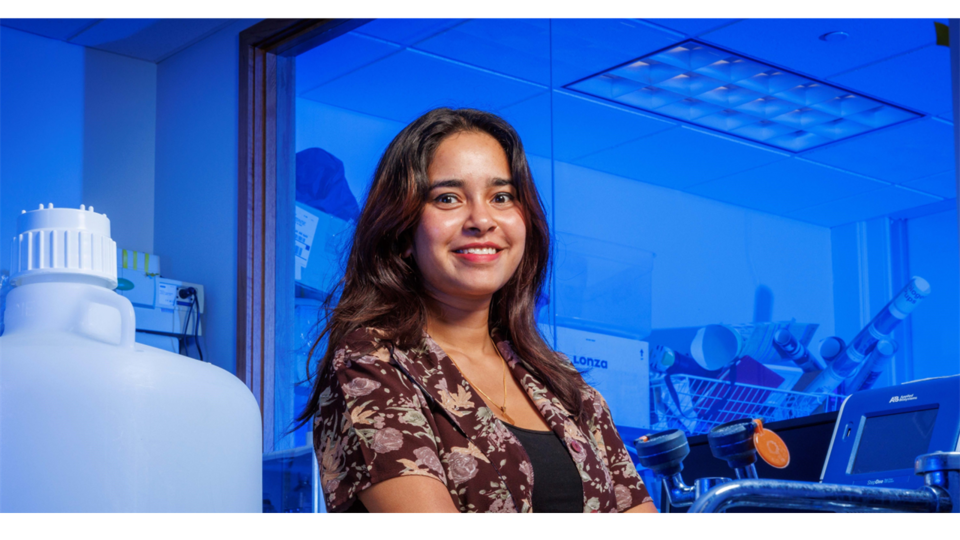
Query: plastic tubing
point(846, 364)
point(878, 362)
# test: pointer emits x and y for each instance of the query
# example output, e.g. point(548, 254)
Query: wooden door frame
point(266, 198)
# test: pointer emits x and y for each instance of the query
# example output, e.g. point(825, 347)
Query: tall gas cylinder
point(90, 420)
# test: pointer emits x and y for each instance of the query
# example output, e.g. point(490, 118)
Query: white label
point(166, 295)
point(306, 228)
point(617, 367)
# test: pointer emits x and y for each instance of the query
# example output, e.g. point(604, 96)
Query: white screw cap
point(63, 244)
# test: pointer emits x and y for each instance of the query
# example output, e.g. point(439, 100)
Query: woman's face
point(471, 234)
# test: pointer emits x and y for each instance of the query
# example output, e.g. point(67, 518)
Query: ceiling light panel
point(713, 88)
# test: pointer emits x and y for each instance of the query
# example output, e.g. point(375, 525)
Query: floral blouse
point(386, 412)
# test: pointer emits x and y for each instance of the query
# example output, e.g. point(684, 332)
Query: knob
point(733, 443)
point(663, 452)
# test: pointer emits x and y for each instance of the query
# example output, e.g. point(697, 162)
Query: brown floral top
point(386, 412)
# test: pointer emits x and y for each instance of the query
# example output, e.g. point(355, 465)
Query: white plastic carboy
point(90, 420)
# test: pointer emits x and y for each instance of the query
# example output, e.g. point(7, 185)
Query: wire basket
point(697, 404)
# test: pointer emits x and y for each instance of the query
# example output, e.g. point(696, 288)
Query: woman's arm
point(645, 508)
point(410, 494)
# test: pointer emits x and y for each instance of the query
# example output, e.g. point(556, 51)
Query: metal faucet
point(940, 493)
point(664, 453)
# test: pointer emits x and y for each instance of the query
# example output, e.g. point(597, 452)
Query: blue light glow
point(713, 88)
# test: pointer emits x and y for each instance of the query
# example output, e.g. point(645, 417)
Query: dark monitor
point(893, 441)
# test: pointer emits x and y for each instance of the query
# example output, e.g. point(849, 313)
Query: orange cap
point(770, 446)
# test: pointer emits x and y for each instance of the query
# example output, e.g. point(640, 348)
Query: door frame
point(266, 199)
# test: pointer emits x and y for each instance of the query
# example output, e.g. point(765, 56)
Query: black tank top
point(556, 481)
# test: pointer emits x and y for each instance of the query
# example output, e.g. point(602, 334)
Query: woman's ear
point(407, 253)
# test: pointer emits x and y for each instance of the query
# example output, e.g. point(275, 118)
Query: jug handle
point(106, 297)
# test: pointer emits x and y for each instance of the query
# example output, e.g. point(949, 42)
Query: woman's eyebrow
point(456, 183)
point(446, 184)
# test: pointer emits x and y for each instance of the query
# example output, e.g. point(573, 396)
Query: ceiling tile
point(680, 157)
point(338, 57)
point(896, 154)
point(531, 119)
point(784, 186)
point(941, 185)
point(516, 47)
point(863, 206)
point(584, 126)
point(147, 39)
point(407, 31)
point(405, 85)
point(582, 47)
point(795, 43)
point(919, 80)
point(62, 29)
point(691, 27)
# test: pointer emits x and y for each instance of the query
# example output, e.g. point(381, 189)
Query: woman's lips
point(478, 257)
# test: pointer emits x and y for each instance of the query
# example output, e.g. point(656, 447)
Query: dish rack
point(697, 404)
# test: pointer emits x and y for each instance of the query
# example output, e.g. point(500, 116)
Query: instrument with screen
point(879, 433)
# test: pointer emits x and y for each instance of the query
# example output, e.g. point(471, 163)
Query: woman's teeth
point(478, 251)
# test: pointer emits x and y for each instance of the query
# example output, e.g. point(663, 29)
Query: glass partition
point(695, 269)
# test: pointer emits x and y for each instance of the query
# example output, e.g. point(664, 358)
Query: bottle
point(875, 365)
point(92, 421)
point(831, 348)
point(790, 349)
point(847, 363)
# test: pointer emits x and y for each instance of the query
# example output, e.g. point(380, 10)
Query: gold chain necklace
point(503, 370)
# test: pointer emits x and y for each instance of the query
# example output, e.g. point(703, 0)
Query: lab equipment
point(715, 346)
point(893, 449)
point(697, 404)
point(875, 365)
point(320, 240)
point(846, 364)
point(661, 358)
point(167, 310)
point(830, 348)
point(291, 482)
point(792, 350)
point(712, 346)
point(93, 421)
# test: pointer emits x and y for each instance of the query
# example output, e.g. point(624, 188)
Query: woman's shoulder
point(360, 342)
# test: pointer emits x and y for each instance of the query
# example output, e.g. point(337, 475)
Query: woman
point(436, 392)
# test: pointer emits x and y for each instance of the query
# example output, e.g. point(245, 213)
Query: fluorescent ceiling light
point(713, 88)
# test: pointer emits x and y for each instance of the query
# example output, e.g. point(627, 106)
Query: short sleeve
point(627, 484)
point(371, 425)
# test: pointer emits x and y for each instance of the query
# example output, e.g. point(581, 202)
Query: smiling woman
point(433, 339)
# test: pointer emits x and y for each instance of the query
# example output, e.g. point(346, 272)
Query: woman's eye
point(503, 197)
point(446, 199)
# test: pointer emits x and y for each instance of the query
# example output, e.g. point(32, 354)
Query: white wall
point(76, 126)
point(195, 220)
point(120, 101)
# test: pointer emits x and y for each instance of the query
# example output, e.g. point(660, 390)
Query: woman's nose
point(480, 218)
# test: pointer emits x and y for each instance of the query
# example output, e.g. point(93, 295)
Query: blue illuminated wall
point(196, 189)
point(41, 127)
point(77, 128)
point(933, 254)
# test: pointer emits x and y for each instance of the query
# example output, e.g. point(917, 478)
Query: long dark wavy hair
point(384, 290)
